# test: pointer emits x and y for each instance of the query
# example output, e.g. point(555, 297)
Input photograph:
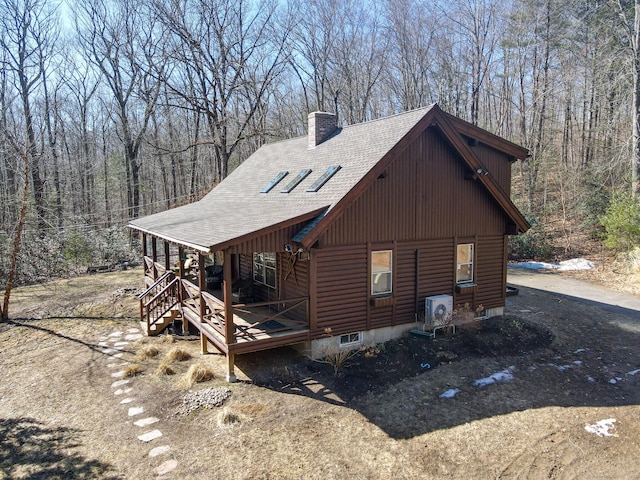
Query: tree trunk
point(635, 165)
point(4, 311)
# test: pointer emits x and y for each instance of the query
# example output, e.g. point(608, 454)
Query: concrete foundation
point(321, 347)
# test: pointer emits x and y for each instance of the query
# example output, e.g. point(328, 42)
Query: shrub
point(149, 351)
point(200, 372)
point(533, 244)
point(164, 369)
point(178, 354)
point(621, 222)
point(132, 371)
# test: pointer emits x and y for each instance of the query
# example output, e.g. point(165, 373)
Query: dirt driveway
point(488, 402)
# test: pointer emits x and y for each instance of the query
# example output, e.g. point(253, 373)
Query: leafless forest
point(117, 108)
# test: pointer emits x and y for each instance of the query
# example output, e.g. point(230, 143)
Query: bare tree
point(632, 30)
point(411, 29)
point(225, 57)
point(118, 40)
point(28, 27)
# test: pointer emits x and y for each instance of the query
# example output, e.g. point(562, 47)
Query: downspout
point(416, 283)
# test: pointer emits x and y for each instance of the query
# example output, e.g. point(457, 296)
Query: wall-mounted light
point(482, 171)
point(287, 248)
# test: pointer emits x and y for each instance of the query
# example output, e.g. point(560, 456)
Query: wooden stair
point(161, 324)
point(160, 304)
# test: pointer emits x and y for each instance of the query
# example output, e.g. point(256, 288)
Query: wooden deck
point(257, 326)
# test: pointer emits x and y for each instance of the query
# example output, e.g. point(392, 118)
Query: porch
point(174, 294)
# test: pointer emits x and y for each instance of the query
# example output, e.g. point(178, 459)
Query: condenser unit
point(438, 310)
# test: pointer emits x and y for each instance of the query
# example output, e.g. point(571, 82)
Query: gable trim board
point(434, 118)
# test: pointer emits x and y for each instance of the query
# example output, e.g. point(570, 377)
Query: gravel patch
point(206, 398)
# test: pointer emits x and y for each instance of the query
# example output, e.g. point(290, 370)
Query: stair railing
point(159, 299)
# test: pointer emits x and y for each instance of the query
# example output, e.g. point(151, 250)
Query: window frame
point(351, 339)
point(260, 268)
point(386, 272)
point(470, 263)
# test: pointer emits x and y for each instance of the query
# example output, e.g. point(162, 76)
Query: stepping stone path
point(154, 452)
point(112, 345)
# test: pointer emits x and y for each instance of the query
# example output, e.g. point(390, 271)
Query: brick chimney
point(321, 125)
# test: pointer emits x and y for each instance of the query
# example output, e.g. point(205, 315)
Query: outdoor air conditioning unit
point(438, 310)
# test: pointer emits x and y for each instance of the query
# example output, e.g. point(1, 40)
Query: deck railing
point(159, 299)
point(260, 317)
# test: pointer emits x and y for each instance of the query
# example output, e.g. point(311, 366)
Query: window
point(381, 269)
point(264, 268)
point(350, 339)
point(324, 178)
point(267, 188)
point(464, 269)
point(294, 183)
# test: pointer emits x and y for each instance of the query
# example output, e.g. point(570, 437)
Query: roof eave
point(192, 246)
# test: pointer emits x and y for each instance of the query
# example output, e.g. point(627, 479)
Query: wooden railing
point(159, 299)
point(153, 270)
point(255, 310)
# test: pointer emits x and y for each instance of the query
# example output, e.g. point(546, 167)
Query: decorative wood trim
point(386, 301)
point(228, 299)
point(466, 288)
point(313, 291)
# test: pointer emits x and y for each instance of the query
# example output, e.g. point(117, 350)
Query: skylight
point(294, 183)
point(324, 178)
point(276, 180)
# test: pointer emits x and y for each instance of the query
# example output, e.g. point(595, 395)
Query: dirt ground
point(518, 394)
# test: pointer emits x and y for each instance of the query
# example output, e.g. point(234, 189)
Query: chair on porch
point(242, 291)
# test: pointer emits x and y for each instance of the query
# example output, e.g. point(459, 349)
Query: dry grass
point(165, 369)
point(177, 354)
point(197, 373)
point(132, 371)
point(140, 341)
point(149, 351)
point(228, 417)
point(168, 338)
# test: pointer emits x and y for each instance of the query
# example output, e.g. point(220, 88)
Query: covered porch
point(204, 290)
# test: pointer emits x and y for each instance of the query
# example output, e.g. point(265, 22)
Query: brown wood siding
point(296, 283)
point(342, 289)
point(489, 272)
point(246, 267)
point(497, 163)
point(423, 195)
point(436, 268)
point(269, 242)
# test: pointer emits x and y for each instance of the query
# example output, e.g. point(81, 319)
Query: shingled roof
point(236, 208)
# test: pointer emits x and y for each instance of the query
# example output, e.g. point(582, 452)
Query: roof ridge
point(367, 122)
point(393, 115)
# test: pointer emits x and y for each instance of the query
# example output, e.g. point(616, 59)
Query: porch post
point(167, 260)
point(229, 326)
point(154, 256)
point(202, 286)
point(185, 322)
point(144, 245)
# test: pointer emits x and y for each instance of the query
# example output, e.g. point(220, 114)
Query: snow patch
point(452, 392)
point(504, 376)
point(564, 266)
point(602, 427)
point(633, 372)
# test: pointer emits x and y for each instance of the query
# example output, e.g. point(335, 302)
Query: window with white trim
point(464, 261)
point(381, 272)
point(264, 268)
point(349, 339)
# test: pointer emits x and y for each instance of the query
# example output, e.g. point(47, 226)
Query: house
point(337, 238)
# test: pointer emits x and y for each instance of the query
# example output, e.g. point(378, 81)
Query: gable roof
point(236, 208)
